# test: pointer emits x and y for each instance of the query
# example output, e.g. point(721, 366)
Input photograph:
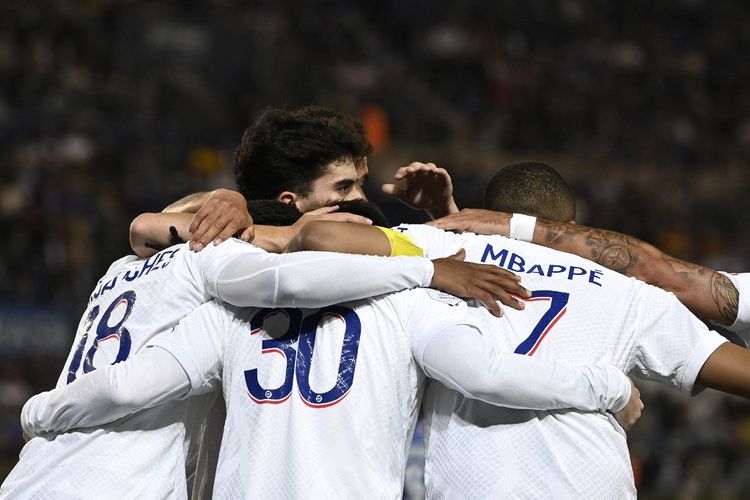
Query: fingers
point(508, 292)
point(229, 230)
point(419, 167)
point(329, 214)
point(501, 285)
point(345, 217)
point(485, 283)
point(223, 214)
point(393, 190)
point(460, 255)
point(628, 416)
point(641, 405)
point(198, 219)
point(447, 223)
point(476, 221)
point(321, 210)
point(462, 221)
point(512, 286)
point(210, 228)
point(248, 234)
point(217, 222)
point(424, 175)
point(488, 301)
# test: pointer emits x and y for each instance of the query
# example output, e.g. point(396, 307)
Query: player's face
point(342, 180)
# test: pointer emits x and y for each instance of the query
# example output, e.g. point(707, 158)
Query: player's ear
point(287, 197)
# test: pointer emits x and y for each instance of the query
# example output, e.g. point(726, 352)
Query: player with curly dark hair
point(308, 157)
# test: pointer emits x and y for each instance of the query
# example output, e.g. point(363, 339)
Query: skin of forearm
point(272, 239)
point(705, 292)
point(726, 370)
point(150, 232)
point(189, 204)
point(341, 237)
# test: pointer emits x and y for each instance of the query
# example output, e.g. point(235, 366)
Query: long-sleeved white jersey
point(579, 313)
point(149, 454)
point(321, 403)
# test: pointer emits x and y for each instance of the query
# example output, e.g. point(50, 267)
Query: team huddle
point(287, 349)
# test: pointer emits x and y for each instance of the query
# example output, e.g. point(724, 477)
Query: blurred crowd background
point(112, 108)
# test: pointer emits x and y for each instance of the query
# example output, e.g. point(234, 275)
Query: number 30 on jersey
point(301, 332)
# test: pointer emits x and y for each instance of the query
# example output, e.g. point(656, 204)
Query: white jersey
point(741, 326)
point(148, 454)
point(145, 455)
point(579, 313)
point(320, 403)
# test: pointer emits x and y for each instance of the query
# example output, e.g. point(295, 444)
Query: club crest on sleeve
point(445, 298)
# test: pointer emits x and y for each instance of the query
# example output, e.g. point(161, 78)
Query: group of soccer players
point(219, 367)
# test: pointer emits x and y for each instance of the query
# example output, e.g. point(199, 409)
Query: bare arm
point(341, 237)
point(426, 187)
point(216, 216)
point(727, 370)
point(369, 240)
point(189, 204)
point(151, 232)
point(705, 292)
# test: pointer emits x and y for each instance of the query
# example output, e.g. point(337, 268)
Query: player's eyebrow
point(343, 184)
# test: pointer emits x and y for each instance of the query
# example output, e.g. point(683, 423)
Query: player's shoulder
point(433, 241)
point(121, 263)
point(220, 314)
point(232, 246)
point(421, 230)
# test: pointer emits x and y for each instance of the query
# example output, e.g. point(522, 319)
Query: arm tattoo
point(621, 253)
point(612, 250)
point(726, 297)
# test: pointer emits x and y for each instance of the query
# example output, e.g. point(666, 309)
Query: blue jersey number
point(302, 332)
point(104, 331)
point(557, 308)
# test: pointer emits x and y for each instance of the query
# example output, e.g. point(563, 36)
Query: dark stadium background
point(111, 108)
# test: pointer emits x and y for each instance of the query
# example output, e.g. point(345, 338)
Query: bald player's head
point(531, 188)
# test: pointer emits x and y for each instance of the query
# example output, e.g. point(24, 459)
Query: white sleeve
point(197, 343)
point(671, 345)
point(434, 242)
point(316, 279)
point(741, 326)
point(465, 361)
point(106, 394)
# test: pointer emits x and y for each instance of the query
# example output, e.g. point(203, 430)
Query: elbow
point(122, 397)
point(138, 235)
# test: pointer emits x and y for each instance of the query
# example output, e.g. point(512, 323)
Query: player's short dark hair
point(288, 150)
point(365, 209)
point(273, 213)
point(531, 188)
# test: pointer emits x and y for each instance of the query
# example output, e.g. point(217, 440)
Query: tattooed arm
point(705, 292)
